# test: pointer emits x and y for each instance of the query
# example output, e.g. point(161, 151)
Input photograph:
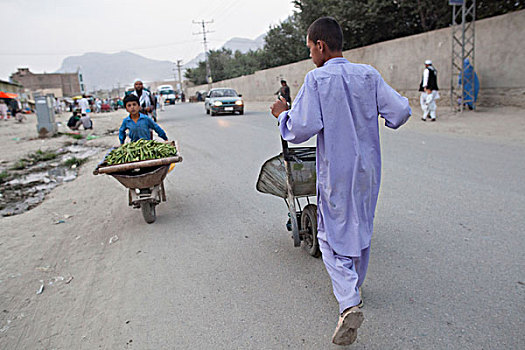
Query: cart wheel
point(148, 211)
point(309, 227)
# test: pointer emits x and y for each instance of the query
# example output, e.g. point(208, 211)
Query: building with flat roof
point(65, 84)
point(11, 88)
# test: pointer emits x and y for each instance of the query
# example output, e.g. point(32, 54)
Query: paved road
point(446, 271)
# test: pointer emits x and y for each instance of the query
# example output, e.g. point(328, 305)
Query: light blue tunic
point(340, 103)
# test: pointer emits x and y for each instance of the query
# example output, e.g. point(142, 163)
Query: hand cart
point(144, 181)
point(291, 175)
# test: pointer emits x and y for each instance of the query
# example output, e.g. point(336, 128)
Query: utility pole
point(180, 76)
point(204, 32)
point(463, 47)
point(174, 76)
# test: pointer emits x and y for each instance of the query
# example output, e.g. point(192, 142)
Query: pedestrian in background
point(284, 91)
point(83, 103)
point(56, 105)
point(154, 106)
point(470, 84)
point(160, 100)
point(98, 105)
point(14, 106)
point(145, 100)
point(86, 121)
point(340, 103)
point(428, 105)
point(3, 110)
point(429, 81)
point(74, 121)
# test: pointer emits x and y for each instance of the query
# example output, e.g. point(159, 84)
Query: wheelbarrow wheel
point(148, 211)
point(309, 227)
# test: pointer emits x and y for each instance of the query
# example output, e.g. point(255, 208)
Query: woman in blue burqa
point(470, 83)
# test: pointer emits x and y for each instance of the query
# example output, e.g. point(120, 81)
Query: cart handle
point(286, 149)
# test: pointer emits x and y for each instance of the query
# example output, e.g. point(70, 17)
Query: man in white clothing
point(146, 105)
point(83, 103)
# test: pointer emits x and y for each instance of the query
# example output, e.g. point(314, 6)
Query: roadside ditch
point(25, 183)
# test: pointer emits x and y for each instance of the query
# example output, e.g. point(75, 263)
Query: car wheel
point(213, 114)
point(241, 112)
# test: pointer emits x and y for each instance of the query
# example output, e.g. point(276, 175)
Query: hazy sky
point(39, 34)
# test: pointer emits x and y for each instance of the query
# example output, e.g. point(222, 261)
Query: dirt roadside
point(56, 245)
point(74, 259)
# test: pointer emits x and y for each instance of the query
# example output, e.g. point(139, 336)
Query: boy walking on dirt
point(138, 124)
point(340, 102)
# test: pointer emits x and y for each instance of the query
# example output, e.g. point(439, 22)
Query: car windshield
point(167, 92)
point(223, 93)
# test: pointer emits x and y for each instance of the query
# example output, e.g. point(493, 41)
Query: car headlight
point(238, 103)
point(217, 103)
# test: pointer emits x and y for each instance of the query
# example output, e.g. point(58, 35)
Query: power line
point(204, 32)
point(226, 10)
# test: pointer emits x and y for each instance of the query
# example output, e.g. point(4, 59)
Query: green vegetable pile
point(140, 150)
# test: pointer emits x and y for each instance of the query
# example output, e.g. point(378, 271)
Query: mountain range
point(106, 71)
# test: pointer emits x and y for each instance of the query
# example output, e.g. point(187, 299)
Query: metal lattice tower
point(463, 46)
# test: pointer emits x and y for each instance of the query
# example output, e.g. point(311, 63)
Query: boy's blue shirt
point(140, 129)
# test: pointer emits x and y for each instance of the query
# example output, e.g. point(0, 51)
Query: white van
point(167, 93)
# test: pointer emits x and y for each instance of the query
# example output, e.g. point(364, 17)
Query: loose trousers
point(429, 110)
point(347, 273)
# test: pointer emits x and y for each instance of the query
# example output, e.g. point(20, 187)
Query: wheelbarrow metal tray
point(144, 178)
point(272, 178)
point(108, 169)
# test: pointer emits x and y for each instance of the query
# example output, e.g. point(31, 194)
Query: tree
point(284, 43)
point(363, 22)
point(226, 65)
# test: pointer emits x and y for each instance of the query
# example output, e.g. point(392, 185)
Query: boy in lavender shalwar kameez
point(340, 103)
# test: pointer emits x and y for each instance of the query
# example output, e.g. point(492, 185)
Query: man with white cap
point(429, 82)
point(144, 96)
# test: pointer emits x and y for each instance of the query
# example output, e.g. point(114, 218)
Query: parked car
point(223, 100)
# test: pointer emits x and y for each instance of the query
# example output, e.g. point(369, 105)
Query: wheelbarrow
point(291, 175)
point(144, 181)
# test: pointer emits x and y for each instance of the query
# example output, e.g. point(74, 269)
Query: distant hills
point(105, 71)
point(245, 45)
